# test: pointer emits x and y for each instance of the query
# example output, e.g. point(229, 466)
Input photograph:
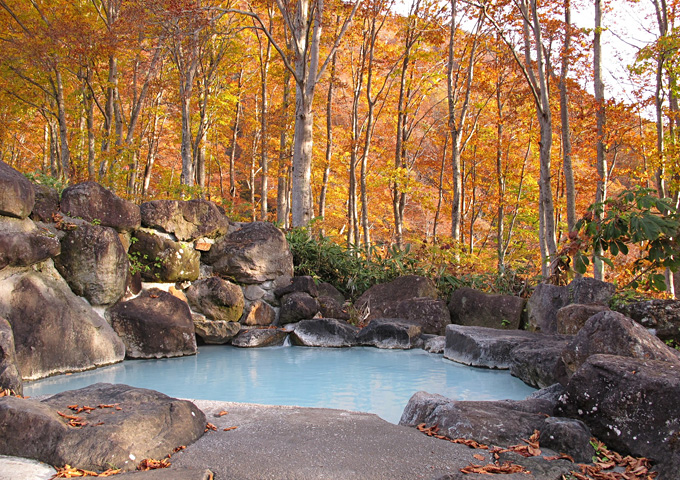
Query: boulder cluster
point(88, 279)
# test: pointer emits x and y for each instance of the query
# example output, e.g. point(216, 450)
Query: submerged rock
point(259, 337)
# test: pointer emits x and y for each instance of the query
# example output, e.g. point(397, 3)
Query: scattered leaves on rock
point(151, 464)
point(67, 471)
point(210, 426)
point(230, 428)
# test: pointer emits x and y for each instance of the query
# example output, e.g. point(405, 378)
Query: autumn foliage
point(181, 99)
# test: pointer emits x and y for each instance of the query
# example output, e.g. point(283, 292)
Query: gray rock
point(259, 337)
point(471, 307)
point(187, 220)
point(54, 330)
point(568, 435)
point(539, 363)
point(258, 313)
point(540, 467)
point(489, 347)
point(303, 284)
point(660, 316)
point(501, 423)
point(376, 299)
point(631, 405)
point(325, 289)
point(216, 332)
point(432, 315)
point(551, 393)
point(217, 299)
point(17, 196)
point(571, 318)
point(329, 307)
point(547, 300)
point(92, 202)
point(324, 332)
point(141, 424)
point(612, 333)
point(10, 377)
point(587, 290)
point(434, 343)
point(297, 306)
point(543, 305)
point(253, 292)
point(25, 249)
point(164, 260)
point(46, 203)
point(155, 324)
point(394, 333)
point(255, 253)
point(94, 263)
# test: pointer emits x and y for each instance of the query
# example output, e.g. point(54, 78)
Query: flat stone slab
point(17, 468)
point(311, 443)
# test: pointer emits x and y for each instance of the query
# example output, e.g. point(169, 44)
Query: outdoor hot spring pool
point(362, 379)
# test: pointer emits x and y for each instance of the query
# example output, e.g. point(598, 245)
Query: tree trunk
point(602, 172)
point(65, 152)
point(564, 116)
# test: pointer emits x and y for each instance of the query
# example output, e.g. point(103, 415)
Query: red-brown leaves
point(210, 426)
point(6, 392)
point(230, 428)
point(222, 413)
point(494, 468)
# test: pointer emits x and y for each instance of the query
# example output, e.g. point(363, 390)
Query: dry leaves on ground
point(6, 392)
point(210, 426)
point(635, 468)
point(151, 464)
point(70, 472)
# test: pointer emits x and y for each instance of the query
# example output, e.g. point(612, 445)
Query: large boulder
point(155, 324)
point(324, 332)
point(94, 263)
point(662, 317)
point(614, 334)
point(17, 196)
point(431, 314)
point(631, 405)
point(10, 377)
point(543, 305)
point(160, 259)
point(303, 283)
point(473, 308)
point(46, 203)
point(393, 333)
point(547, 300)
point(94, 203)
point(297, 306)
point(120, 427)
point(54, 330)
point(539, 364)
point(25, 249)
point(217, 299)
point(255, 253)
point(374, 301)
point(570, 319)
point(490, 347)
point(187, 220)
point(259, 337)
point(501, 423)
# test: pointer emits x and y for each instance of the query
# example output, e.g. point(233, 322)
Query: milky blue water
point(362, 379)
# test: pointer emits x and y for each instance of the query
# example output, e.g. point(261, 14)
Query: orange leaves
point(230, 428)
point(70, 472)
point(6, 392)
point(210, 426)
point(222, 413)
point(73, 421)
point(77, 422)
point(433, 431)
point(78, 409)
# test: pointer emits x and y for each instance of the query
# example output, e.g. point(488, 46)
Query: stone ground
point(289, 443)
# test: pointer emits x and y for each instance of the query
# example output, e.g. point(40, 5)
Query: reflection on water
point(361, 378)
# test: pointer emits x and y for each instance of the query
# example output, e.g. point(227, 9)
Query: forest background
point(464, 132)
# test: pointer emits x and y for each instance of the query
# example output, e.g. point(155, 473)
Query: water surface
point(363, 379)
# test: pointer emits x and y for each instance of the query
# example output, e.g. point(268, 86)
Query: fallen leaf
point(210, 426)
point(178, 449)
point(151, 464)
point(230, 428)
point(222, 413)
point(479, 457)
